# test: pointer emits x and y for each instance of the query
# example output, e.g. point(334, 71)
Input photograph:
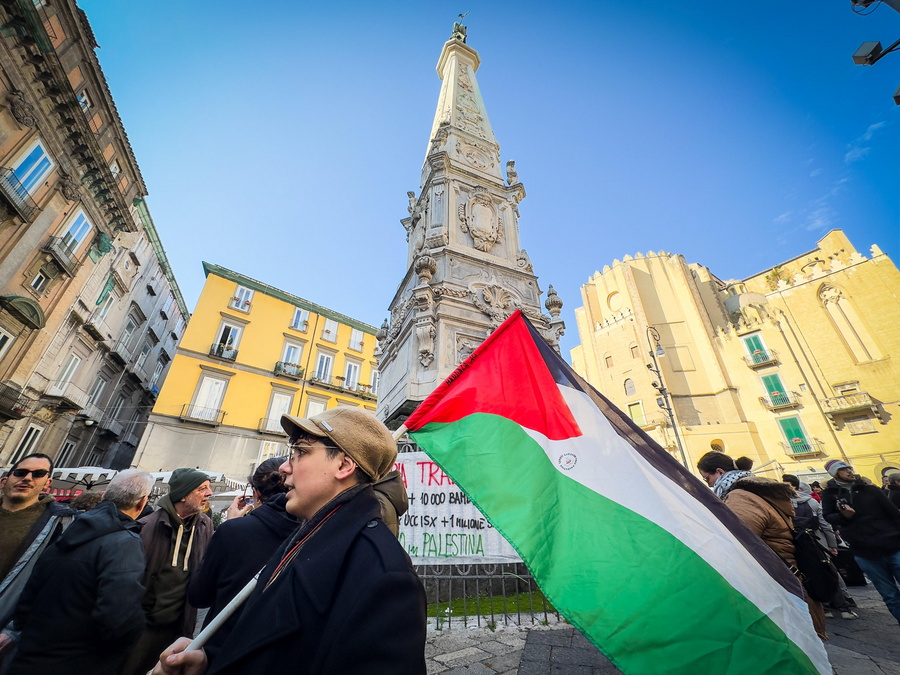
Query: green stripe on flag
point(657, 607)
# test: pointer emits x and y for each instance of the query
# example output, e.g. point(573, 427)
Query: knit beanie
point(836, 465)
point(183, 482)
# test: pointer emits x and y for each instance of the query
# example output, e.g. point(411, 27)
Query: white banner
point(442, 526)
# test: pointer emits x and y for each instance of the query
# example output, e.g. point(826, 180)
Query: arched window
point(717, 444)
point(630, 389)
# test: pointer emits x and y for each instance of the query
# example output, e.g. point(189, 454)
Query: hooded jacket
point(163, 536)
point(238, 550)
point(391, 494)
point(875, 529)
point(81, 608)
point(764, 505)
point(824, 532)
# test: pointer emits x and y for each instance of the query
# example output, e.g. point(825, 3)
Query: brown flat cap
point(355, 431)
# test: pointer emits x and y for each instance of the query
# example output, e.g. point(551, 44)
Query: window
point(84, 100)
point(28, 444)
point(351, 375)
point(107, 303)
point(860, 424)
point(67, 372)
point(116, 409)
point(794, 434)
point(208, 399)
point(301, 319)
point(329, 332)
point(756, 349)
point(39, 283)
point(323, 367)
point(376, 376)
point(6, 339)
point(97, 391)
point(630, 389)
point(34, 165)
point(292, 353)
point(636, 413)
point(114, 168)
point(270, 449)
point(130, 326)
point(356, 339)
point(242, 299)
point(226, 344)
point(157, 371)
point(142, 357)
point(73, 237)
point(777, 394)
point(608, 359)
point(635, 353)
point(65, 453)
point(314, 406)
point(279, 405)
point(168, 304)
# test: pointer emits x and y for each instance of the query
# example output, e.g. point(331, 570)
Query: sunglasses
point(37, 473)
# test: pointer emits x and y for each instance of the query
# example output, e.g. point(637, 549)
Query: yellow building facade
point(251, 353)
point(792, 367)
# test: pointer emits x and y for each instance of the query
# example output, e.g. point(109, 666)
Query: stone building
point(89, 308)
point(253, 352)
point(466, 268)
point(791, 367)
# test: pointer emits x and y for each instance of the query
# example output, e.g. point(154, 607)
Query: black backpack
point(804, 518)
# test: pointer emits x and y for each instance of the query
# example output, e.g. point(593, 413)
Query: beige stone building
point(791, 367)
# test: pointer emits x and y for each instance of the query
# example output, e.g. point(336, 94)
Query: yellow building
point(791, 367)
point(251, 353)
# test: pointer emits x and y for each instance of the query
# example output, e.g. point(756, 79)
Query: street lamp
point(663, 400)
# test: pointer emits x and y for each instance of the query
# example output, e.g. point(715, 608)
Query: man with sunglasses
point(340, 595)
point(30, 520)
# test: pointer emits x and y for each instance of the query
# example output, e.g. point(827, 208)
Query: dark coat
point(81, 608)
point(157, 536)
point(894, 495)
point(349, 602)
point(875, 529)
point(238, 550)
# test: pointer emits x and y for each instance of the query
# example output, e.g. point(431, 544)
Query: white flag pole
point(222, 617)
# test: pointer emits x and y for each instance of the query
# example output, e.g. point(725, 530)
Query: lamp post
point(663, 400)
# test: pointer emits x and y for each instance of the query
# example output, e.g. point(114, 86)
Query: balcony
point(68, 395)
point(64, 256)
point(778, 400)
point(803, 446)
point(850, 403)
point(14, 404)
point(16, 194)
point(761, 357)
point(223, 351)
point(96, 328)
point(131, 438)
point(291, 370)
point(271, 425)
point(113, 426)
point(121, 351)
point(196, 413)
point(339, 383)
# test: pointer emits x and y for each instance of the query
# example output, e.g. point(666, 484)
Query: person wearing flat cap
point(340, 595)
point(174, 537)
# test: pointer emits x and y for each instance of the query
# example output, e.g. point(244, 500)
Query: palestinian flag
point(631, 548)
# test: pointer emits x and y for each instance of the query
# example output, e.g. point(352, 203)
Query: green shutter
point(773, 385)
point(794, 434)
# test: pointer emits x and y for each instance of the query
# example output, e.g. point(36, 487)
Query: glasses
point(37, 473)
point(299, 447)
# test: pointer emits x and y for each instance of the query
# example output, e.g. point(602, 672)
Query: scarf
point(726, 480)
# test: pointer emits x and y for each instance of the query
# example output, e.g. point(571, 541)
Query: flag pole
point(399, 433)
point(224, 615)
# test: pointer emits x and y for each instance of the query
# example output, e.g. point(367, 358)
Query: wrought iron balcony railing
point(340, 383)
point(779, 400)
point(196, 413)
point(271, 425)
point(223, 351)
point(803, 446)
point(13, 403)
point(64, 254)
point(16, 194)
point(761, 357)
point(288, 370)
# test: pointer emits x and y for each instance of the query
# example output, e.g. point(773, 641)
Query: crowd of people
point(113, 586)
point(116, 588)
point(852, 519)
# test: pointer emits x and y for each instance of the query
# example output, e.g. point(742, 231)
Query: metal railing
point(803, 446)
point(196, 413)
point(777, 400)
point(339, 382)
point(13, 403)
point(288, 369)
point(121, 349)
point(485, 595)
point(271, 425)
point(63, 254)
point(16, 194)
point(761, 357)
point(223, 351)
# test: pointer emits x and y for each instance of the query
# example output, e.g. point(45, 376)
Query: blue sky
point(279, 140)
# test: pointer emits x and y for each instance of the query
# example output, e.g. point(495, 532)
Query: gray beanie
point(183, 482)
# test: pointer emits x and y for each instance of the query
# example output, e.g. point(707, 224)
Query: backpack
point(814, 568)
point(805, 518)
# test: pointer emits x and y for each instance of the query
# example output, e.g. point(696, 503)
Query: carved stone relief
point(465, 345)
point(21, 109)
point(479, 219)
point(425, 333)
point(495, 301)
point(68, 187)
point(523, 262)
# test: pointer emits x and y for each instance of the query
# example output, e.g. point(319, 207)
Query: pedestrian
point(870, 523)
point(174, 538)
point(30, 520)
point(744, 464)
point(343, 589)
point(81, 609)
point(720, 472)
point(894, 489)
point(242, 544)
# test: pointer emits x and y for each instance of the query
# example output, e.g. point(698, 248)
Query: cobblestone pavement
point(869, 645)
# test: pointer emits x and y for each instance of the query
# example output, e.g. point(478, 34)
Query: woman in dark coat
point(241, 546)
